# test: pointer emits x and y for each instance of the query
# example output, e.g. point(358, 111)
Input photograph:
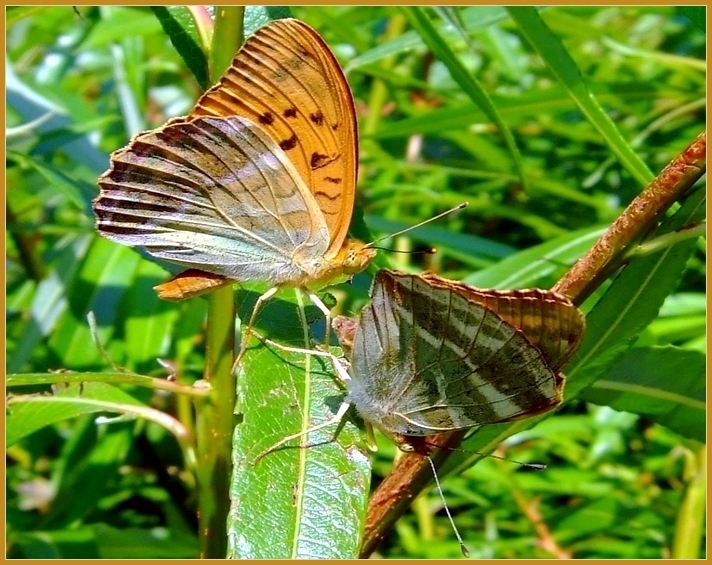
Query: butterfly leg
point(248, 328)
point(341, 371)
point(337, 419)
point(338, 363)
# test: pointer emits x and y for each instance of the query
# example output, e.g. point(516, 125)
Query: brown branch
point(412, 472)
point(604, 258)
point(394, 495)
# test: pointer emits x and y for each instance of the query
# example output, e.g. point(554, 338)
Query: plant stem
point(604, 258)
point(215, 417)
point(214, 425)
point(689, 527)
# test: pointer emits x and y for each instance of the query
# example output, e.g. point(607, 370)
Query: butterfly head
point(356, 255)
point(345, 329)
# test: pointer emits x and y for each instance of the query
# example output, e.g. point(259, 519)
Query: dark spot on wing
point(267, 118)
point(335, 127)
point(290, 113)
point(294, 64)
point(280, 75)
point(329, 196)
point(290, 143)
point(318, 160)
point(317, 118)
point(332, 180)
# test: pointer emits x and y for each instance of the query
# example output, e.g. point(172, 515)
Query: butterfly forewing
point(426, 359)
point(214, 193)
point(286, 79)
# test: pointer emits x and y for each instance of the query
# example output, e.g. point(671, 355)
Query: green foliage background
point(625, 455)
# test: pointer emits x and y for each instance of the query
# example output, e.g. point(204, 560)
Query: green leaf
point(150, 322)
point(109, 270)
point(696, 14)
point(587, 519)
point(113, 26)
point(14, 14)
point(314, 498)
point(666, 383)
point(89, 462)
point(536, 265)
point(78, 192)
point(158, 543)
point(53, 544)
point(551, 49)
point(31, 105)
point(180, 27)
point(528, 105)
point(470, 85)
point(475, 17)
point(28, 414)
point(50, 302)
point(257, 16)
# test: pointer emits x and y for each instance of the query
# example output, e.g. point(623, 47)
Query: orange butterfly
point(257, 183)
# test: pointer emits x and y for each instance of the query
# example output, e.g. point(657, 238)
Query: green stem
point(669, 239)
point(689, 527)
point(379, 91)
point(214, 427)
point(215, 417)
point(34, 379)
point(228, 35)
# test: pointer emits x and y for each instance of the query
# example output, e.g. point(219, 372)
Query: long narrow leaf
point(295, 502)
point(419, 19)
point(552, 51)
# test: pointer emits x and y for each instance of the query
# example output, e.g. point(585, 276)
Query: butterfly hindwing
point(549, 320)
point(213, 192)
point(426, 359)
point(286, 80)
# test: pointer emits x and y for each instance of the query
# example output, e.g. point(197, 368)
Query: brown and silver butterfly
point(429, 355)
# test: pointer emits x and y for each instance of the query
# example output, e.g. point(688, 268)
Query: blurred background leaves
point(625, 460)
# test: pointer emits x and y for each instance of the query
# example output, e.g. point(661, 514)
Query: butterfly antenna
point(533, 466)
point(431, 251)
point(437, 217)
point(463, 547)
